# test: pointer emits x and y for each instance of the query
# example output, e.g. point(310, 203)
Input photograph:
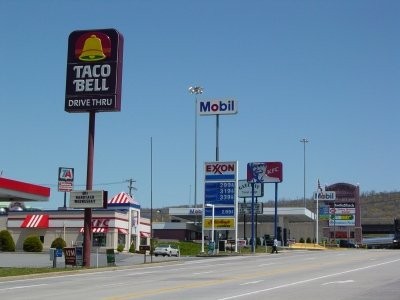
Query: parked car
point(166, 250)
point(346, 244)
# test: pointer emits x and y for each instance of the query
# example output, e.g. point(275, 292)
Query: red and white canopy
point(36, 221)
point(13, 190)
point(145, 234)
point(122, 198)
point(96, 230)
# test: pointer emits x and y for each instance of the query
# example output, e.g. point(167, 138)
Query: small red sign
point(70, 256)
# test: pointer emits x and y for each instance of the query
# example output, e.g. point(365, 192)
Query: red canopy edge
point(23, 187)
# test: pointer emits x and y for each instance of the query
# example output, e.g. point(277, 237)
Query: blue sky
point(328, 71)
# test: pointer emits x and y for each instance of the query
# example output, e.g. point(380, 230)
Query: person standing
point(275, 246)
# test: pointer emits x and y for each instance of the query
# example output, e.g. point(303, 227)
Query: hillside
point(376, 208)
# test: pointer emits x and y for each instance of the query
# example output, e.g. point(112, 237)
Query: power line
point(97, 184)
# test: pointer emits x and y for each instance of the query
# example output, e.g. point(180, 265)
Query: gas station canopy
point(13, 190)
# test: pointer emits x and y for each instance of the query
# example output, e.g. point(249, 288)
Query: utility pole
point(130, 186)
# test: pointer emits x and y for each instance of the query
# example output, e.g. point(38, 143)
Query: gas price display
point(220, 193)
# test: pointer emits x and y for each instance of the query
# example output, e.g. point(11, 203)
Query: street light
point(212, 220)
point(196, 90)
point(304, 141)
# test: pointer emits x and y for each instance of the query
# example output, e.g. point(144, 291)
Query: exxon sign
point(217, 107)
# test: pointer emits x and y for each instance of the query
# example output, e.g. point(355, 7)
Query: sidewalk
point(97, 260)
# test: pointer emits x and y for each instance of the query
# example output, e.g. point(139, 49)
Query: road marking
point(252, 282)
point(206, 272)
point(263, 265)
point(338, 282)
point(308, 280)
point(22, 287)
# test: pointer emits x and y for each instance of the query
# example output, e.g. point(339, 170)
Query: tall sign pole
point(264, 172)
point(93, 84)
point(217, 107)
point(220, 196)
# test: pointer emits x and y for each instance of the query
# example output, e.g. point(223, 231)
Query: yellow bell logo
point(92, 49)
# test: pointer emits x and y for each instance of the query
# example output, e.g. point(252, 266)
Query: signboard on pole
point(220, 211)
point(245, 208)
point(220, 171)
point(264, 172)
point(217, 107)
point(245, 190)
point(65, 179)
point(219, 193)
point(70, 256)
point(325, 195)
point(88, 199)
point(94, 71)
point(220, 190)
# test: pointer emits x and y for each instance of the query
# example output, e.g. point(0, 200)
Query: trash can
point(110, 256)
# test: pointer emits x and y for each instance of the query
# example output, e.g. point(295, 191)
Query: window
point(99, 240)
point(121, 239)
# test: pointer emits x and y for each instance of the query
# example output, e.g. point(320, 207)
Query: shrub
point(132, 248)
point(120, 248)
point(32, 244)
point(308, 240)
point(6, 241)
point(301, 240)
point(58, 243)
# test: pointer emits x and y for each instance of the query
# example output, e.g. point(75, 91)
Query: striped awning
point(36, 221)
point(145, 234)
point(122, 198)
point(123, 231)
point(96, 230)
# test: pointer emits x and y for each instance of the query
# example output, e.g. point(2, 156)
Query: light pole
point(212, 222)
point(304, 141)
point(196, 90)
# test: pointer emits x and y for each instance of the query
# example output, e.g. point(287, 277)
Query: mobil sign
point(325, 195)
point(217, 107)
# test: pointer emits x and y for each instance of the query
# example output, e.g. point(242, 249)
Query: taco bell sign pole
point(93, 84)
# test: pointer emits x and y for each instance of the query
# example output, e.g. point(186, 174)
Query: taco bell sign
point(94, 71)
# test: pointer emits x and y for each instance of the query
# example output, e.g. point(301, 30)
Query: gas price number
point(220, 193)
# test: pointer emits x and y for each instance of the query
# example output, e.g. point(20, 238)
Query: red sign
point(70, 256)
point(65, 179)
point(260, 172)
point(94, 71)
